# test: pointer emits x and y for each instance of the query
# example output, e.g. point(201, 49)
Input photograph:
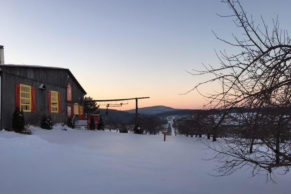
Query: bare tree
point(257, 77)
point(185, 125)
point(150, 124)
point(198, 124)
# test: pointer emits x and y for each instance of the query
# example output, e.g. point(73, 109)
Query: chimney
point(1, 55)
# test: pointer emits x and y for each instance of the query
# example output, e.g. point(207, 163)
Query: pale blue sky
point(125, 48)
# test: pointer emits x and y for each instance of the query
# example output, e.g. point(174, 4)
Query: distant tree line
point(147, 124)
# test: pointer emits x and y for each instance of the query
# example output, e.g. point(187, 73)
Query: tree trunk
point(252, 144)
point(214, 135)
point(277, 150)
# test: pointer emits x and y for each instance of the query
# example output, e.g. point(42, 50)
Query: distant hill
point(152, 110)
point(129, 115)
point(178, 112)
point(163, 111)
point(159, 111)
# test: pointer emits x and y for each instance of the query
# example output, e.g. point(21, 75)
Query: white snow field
point(82, 161)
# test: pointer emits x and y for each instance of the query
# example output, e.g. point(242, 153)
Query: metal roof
point(44, 67)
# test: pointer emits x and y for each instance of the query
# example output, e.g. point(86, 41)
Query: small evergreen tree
point(92, 123)
point(46, 122)
point(90, 106)
point(18, 120)
point(100, 124)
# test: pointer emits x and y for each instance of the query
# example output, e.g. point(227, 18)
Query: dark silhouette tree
point(100, 124)
point(18, 122)
point(89, 105)
point(257, 76)
point(92, 124)
point(150, 124)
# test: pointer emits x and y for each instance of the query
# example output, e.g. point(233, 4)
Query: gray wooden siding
point(53, 79)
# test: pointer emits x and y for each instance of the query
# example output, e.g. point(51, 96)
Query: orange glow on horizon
point(159, 96)
point(177, 102)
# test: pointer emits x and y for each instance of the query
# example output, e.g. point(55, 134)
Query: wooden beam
point(121, 99)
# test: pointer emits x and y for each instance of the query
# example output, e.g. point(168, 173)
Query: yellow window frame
point(25, 97)
point(54, 101)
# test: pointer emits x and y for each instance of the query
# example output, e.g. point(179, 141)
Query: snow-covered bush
point(46, 122)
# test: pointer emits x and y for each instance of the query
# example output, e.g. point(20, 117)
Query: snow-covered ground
point(81, 162)
point(171, 122)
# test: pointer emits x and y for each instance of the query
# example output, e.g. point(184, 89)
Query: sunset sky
point(126, 48)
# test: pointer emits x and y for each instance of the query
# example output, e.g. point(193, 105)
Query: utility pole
point(136, 112)
point(136, 125)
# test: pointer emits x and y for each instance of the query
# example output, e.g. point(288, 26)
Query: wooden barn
point(39, 91)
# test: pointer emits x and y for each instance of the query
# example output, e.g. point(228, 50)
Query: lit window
point(81, 110)
point(54, 102)
point(76, 109)
point(25, 98)
point(69, 111)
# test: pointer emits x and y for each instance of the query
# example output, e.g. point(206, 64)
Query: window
point(69, 111)
point(81, 110)
point(54, 101)
point(25, 97)
point(76, 109)
point(69, 92)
